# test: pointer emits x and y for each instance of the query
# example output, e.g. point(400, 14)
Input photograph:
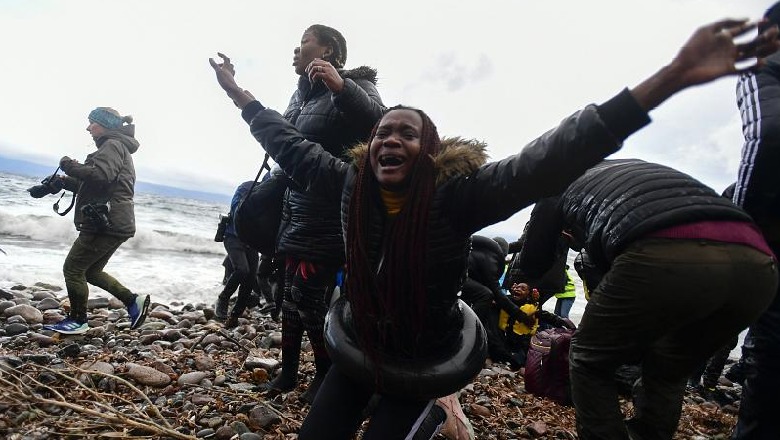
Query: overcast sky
point(499, 71)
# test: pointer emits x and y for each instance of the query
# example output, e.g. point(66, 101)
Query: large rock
point(16, 329)
point(98, 366)
point(29, 313)
point(48, 304)
point(193, 378)
point(252, 362)
point(204, 363)
point(147, 375)
point(4, 305)
point(262, 417)
point(97, 303)
point(41, 295)
point(48, 286)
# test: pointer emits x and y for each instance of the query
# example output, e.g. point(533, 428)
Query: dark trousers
point(307, 290)
point(244, 261)
point(709, 372)
point(337, 412)
point(758, 415)
point(84, 264)
point(666, 305)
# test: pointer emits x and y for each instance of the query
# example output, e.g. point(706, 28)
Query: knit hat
point(107, 117)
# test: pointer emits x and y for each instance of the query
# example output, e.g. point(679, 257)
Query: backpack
point(259, 214)
point(547, 365)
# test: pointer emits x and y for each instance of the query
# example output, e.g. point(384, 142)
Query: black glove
point(39, 191)
point(49, 185)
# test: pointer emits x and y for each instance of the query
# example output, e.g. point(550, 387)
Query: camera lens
point(39, 191)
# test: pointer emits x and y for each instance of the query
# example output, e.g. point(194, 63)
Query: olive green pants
point(84, 264)
point(665, 305)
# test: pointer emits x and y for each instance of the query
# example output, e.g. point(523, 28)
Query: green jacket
point(107, 176)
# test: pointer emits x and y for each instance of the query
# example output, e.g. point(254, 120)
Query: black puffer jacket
point(758, 182)
point(615, 203)
point(310, 227)
point(468, 196)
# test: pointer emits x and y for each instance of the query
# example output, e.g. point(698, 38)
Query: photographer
point(104, 216)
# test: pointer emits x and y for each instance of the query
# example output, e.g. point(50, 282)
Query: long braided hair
point(388, 297)
point(327, 36)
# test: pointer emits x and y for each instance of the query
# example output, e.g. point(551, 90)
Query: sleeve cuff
point(250, 110)
point(622, 115)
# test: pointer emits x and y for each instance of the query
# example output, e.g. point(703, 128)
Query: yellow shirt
point(519, 327)
point(393, 201)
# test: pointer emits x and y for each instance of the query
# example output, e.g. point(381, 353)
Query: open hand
point(711, 52)
point(226, 77)
point(226, 73)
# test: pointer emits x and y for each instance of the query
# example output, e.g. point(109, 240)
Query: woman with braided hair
point(410, 203)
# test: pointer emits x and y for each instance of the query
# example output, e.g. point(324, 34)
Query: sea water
point(173, 255)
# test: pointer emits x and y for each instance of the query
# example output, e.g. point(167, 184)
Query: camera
point(49, 185)
point(221, 226)
point(97, 215)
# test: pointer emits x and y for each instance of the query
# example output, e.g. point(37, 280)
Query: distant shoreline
point(25, 168)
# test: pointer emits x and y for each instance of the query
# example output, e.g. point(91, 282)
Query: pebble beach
point(184, 375)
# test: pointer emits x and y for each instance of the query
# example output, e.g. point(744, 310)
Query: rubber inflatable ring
point(408, 378)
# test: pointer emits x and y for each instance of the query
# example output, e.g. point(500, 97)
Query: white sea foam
point(173, 255)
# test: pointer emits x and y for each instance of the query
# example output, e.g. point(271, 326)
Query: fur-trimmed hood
point(362, 72)
point(458, 157)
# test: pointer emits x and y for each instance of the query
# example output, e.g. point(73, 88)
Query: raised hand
point(226, 73)
point(226, 77)
point(710, 53)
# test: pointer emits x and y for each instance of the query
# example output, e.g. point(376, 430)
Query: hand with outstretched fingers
point(226, 77)
point(710, 53)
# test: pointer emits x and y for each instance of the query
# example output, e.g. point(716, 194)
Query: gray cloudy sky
point(500, 71)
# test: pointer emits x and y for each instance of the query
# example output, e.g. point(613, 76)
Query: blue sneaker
point(138, 309)
point(68, 327)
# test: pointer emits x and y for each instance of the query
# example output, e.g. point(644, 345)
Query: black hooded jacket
point(310, 227)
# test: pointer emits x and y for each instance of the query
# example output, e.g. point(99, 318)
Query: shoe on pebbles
point(138, 310)
point(68, 327)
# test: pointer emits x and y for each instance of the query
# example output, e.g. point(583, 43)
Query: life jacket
point(569, 291)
